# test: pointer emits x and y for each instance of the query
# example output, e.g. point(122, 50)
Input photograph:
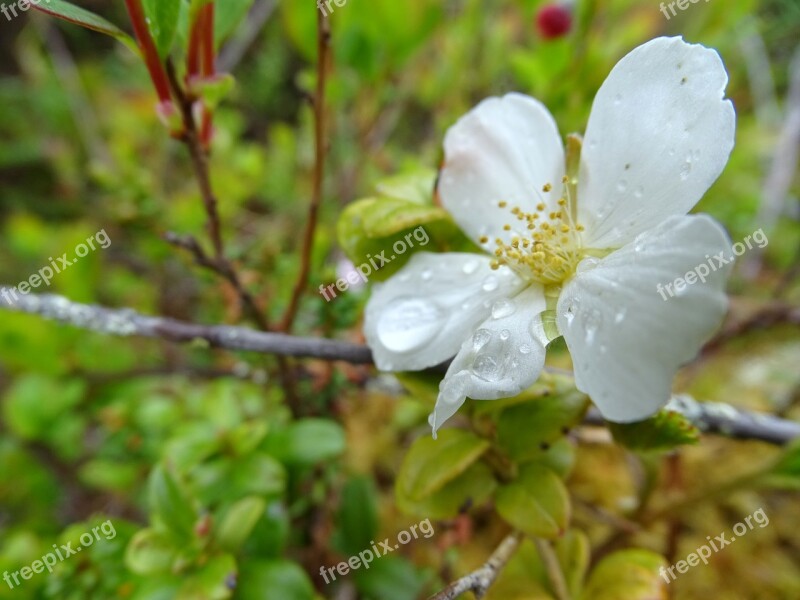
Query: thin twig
point(191, 137)
point(323, 52)
point(769, 316)
point(480, 580)
point(224, 269)
point(711, 417)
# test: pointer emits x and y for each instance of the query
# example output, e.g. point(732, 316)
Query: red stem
point(209, 58)
point(193, 53)
point(148, 47)
point(208, 66)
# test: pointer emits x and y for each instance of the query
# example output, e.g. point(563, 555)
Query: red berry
point(553, 21)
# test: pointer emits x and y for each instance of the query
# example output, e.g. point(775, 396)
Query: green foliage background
point(220, 487)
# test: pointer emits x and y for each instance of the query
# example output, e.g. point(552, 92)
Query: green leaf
point(84, 18)
point(307, 442)
point(390, 578)
point(537, 502)
point(215, 89)
point(357, 517)
point(421, 385)
point(402, 210)
point(282, 579)
point(784, 472)
point(523, 578)
point(573, 553)
point(523, 430)
point(108, 474)
point(627, 575)
point(36, 405)
point(227, 15)
point(431, 463)
point(162, 19)
point(239, 522)
point(150, 552)
point(414, 186)
point(660, 433)
point(473, 487)
point(171, 507)
point(271, 533)
point(213, 582)
point(382, 217)
point(560, 457)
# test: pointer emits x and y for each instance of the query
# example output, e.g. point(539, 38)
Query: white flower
point(579, 259)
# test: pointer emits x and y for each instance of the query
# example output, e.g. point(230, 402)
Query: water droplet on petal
point(587, 264)
point(490, 283)
point(686, 169)
point(524, 349)
point(470, 267)
point(622, 186)
point(480, 338)
point(505, 334)
point(503, 308)
point(408, 324)
point(486, 368)
point(426, 275)
point(639, 192)
point(592, 321)
point(620, 316)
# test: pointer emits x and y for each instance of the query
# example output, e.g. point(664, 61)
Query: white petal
point(501, 359)
point(659, 135)
point(625, 339)
point(504, 149)
point(419, 317)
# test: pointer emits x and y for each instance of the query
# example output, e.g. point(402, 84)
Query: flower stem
point(149, 50)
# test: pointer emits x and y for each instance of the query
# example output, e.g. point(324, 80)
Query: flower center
point(548, 246)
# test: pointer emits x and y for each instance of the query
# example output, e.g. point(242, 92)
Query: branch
point(222, 268)
point(717, 417)
point(323, 51)
point(710, 417)
point(127, 322)
point(191, 137)
point(480, 580)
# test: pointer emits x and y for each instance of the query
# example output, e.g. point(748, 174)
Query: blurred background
point(142, 431)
